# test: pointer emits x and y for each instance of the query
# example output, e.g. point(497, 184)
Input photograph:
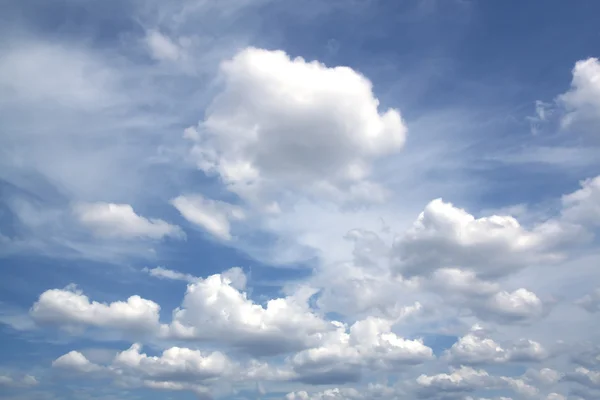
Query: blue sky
point(260, 199)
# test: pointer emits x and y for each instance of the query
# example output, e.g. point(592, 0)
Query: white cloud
point(284, 324)
point(368, 343)
point(70, 308)
point(74, 361)
point(582, 101)
point(444, 236)
point(120, 221)
point(165, 273)
point(583, 205)
point(175, 364)
point(459, 379)
point(473, 348)
point(329, 394)
point(214, 216)
point(162, 47)
point(476, 348)
point(520, 304)
point(285, 125)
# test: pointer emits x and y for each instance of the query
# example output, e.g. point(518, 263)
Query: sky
point(299, 200)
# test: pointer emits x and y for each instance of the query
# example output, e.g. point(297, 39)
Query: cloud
point(583, 205)
point(367, 344)
point(444, 236)
point(26, 381)
point(520, 304)
point(282, 325)
point(70, 308)
point(120, 221)
point(475, 348)
point(162, 47)
point(590, 302)
point(582, 102)
point(365, 285)
point(213, 216)
point(176, 369)
point(165, 273)
point(74, 361)
point(463, 379)
point(585, 376)
point(175, 364)
point(329, 394)
point(282, 125)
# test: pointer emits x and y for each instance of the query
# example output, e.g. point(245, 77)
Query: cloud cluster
point(288, 153)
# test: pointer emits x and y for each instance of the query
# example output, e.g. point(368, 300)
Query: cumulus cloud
point(463, 379)
point(582, 101)
point(518, 305)
point(475, 348)
point(176, 369)
point(284, 324)
point(120, 221)
point(213, 216)
point(368, 343)
point(74, 361)
point(284, 124)
point(583, 205)
point(70, 308)
point(175, 364)
point(444, 236)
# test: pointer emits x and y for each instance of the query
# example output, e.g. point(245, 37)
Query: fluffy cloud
point(518, 305)
point(176, 369)
point(444, 236)
point(74, 361)
point(287, 125)
point(476, 348)
point(583, 205)
point(120, 221)
point(368, 343)
point(329, 394)
point(70, 308)
point(175, 364)
point(284, 324)
point(213, 216)
point(582, 101)
point(466, 379)
point(463, 379)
